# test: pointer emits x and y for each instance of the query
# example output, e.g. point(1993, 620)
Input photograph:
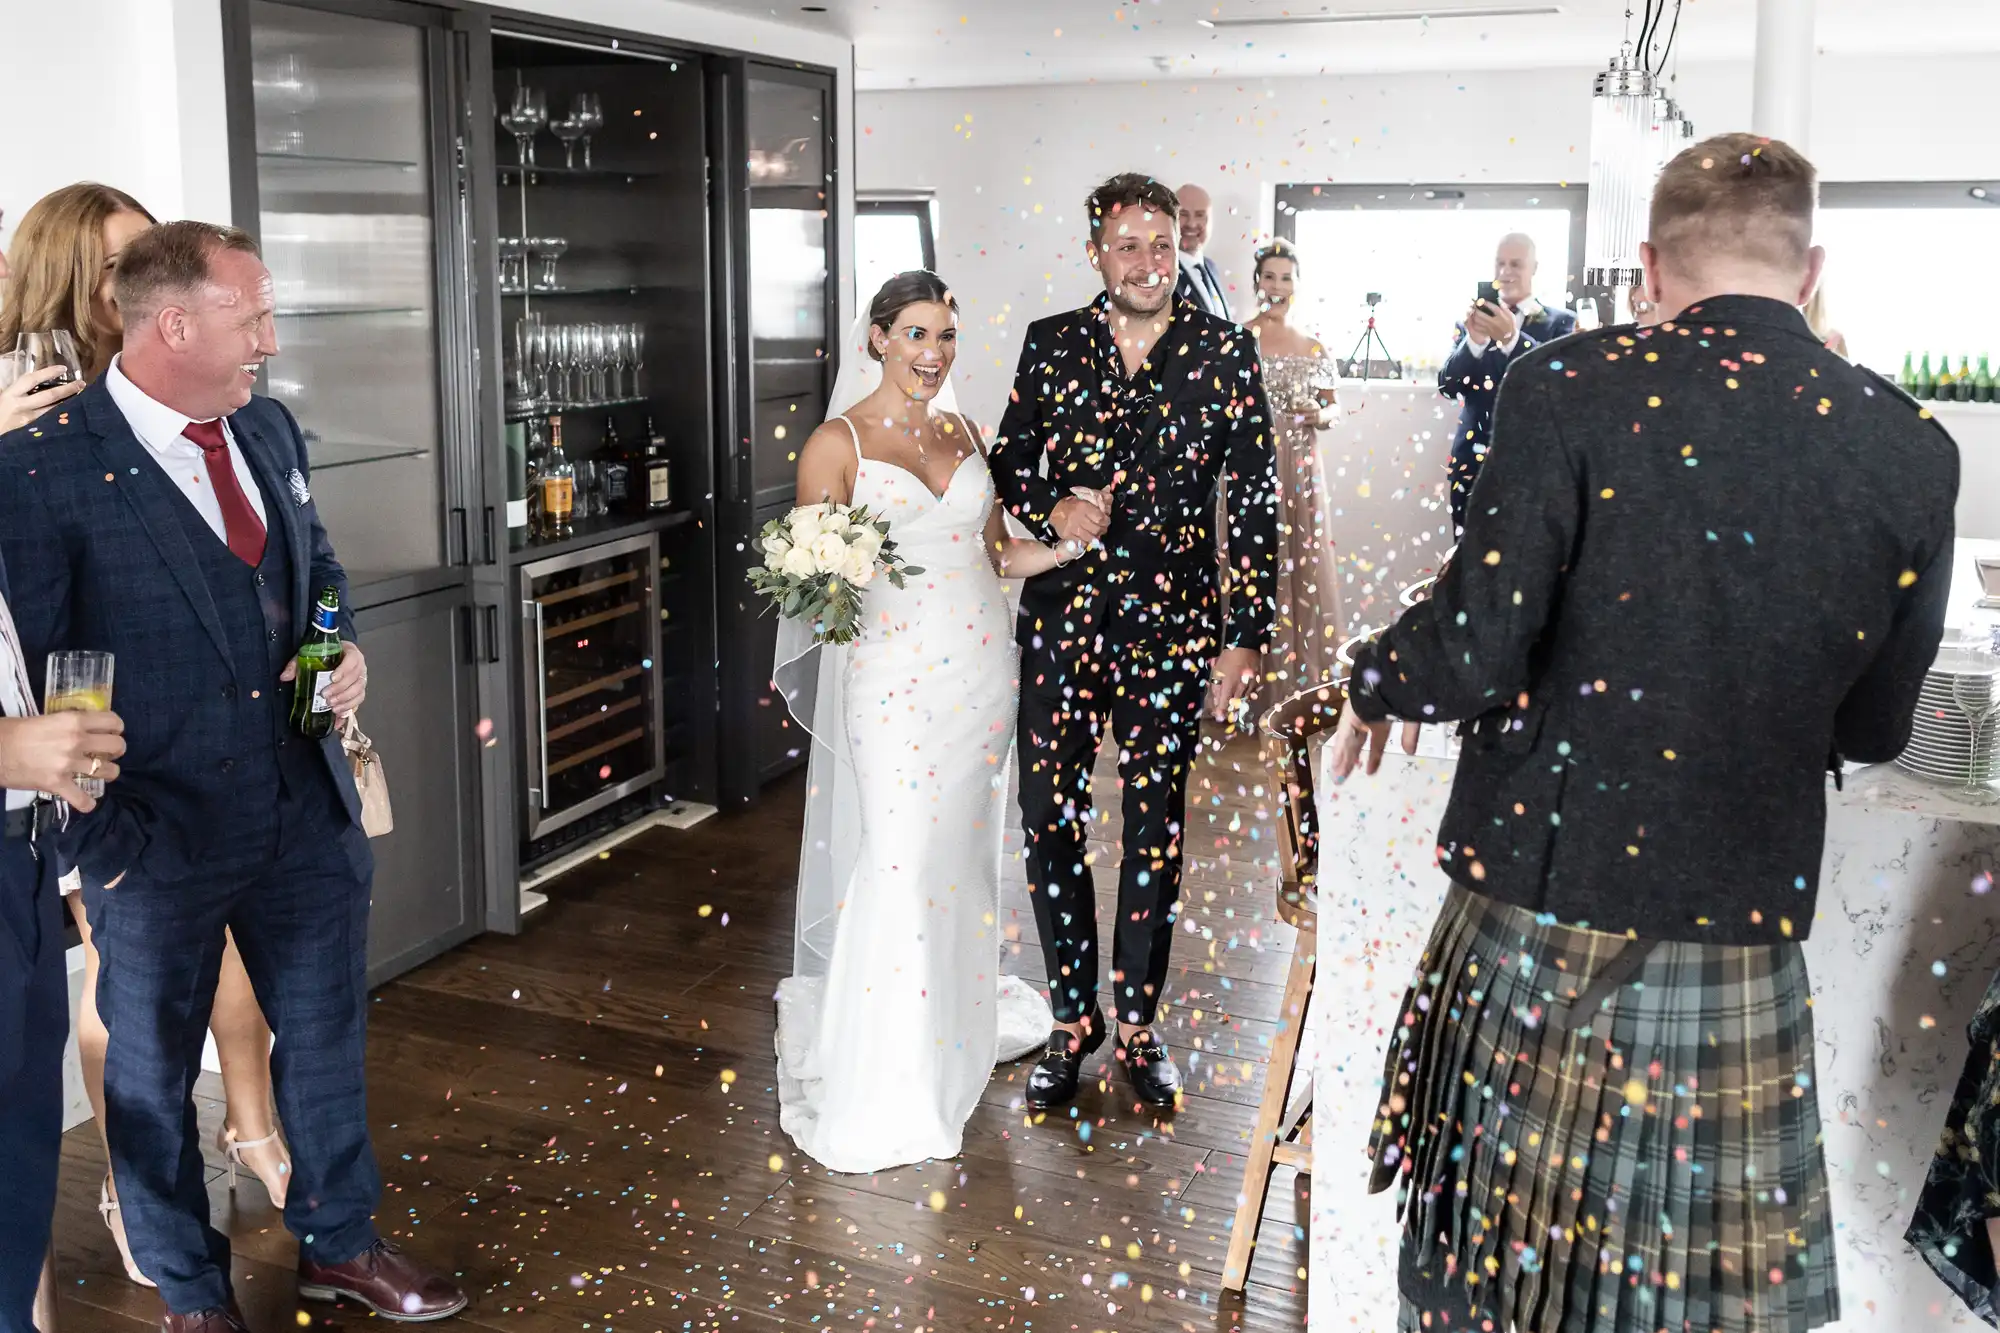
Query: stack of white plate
point(1956, 735)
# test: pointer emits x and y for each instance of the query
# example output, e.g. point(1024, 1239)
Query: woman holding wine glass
point(63, 262)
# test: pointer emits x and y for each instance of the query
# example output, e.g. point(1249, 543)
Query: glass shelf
point(554, 409)
point(510, 171)
point(282, 160)
point(344, 453)
point(613, 289)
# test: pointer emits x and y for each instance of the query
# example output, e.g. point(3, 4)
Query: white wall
point(140, 91)
point(1010, 166)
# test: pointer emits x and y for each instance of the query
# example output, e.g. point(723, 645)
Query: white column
point(1781, 93)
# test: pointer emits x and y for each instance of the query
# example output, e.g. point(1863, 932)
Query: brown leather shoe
point(385, 1280)
point(215, 1319)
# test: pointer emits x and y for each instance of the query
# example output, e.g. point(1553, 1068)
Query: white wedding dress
point(897, 1011)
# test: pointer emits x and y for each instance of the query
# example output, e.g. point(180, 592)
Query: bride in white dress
point(897, 1010)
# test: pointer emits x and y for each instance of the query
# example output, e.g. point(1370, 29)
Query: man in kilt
point(1706, 562)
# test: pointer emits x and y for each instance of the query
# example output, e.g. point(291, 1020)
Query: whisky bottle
point(652, 472)
point(558, 478)
point(318, 656)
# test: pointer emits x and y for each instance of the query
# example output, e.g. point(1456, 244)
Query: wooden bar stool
point(1283, 1134)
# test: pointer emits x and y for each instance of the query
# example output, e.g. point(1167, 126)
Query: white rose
point(828, 552)
point(869, 542)
point(798, 563)
point(858, 567)
point(776, 547)
point(807, 522)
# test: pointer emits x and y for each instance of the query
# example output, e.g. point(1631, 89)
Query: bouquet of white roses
point(817, 560)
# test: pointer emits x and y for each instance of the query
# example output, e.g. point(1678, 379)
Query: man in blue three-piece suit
point(37, 754)
point(164, 515)
point(1488, 341)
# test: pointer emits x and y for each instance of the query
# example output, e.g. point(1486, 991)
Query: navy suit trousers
point(300, 918)
point(34, 1025)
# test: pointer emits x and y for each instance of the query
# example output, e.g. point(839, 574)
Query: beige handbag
point(369, 780)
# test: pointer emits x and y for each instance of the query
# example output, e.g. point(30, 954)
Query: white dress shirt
point(159, 428)
point(1211, 295)
point(1520, 313)
point(14, 700)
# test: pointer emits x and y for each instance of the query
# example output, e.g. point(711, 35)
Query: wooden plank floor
point(581, 1121)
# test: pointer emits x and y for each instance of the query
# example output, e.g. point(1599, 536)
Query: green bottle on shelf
point(1961, 383)
point(1907, 381)
point(1926, 384)
point(1982, 384)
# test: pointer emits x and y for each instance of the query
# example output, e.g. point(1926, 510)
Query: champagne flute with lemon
point(79, 681)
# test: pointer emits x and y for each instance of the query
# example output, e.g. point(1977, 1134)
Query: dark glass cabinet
point(478, 222)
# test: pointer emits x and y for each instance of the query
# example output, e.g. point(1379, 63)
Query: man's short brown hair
point(170, 262)
point(1736, 195)
point(1124, 193)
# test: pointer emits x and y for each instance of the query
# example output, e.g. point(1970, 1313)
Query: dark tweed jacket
point(1702, 562)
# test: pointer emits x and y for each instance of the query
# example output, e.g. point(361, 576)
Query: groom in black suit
point(1146, 396)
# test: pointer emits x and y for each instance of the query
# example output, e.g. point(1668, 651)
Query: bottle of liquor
point(614, 470)
point(1961, 383)
point(652, 472)
point(516, 433)
point(558, 477)
point(318, 656)
point(1926, 384)
point(1982, 384)
point(1907, 381)
point(1946, 393)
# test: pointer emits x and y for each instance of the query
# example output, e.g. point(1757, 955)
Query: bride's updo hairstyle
point(918, 286)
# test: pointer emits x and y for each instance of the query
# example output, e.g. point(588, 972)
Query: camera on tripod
point(1370, 359)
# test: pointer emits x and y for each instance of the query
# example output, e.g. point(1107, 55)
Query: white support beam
point(1781, 90)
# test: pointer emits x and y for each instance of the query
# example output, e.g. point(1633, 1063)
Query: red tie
point(239, 520)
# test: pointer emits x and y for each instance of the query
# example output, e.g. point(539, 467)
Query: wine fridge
point(593, 716)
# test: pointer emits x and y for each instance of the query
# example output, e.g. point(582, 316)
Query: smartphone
point(1489, 294)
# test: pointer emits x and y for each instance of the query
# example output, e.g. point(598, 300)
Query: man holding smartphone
point(1504, 321)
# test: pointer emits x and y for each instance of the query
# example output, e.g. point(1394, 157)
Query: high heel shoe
point(277, 1177)
point(107, 1208)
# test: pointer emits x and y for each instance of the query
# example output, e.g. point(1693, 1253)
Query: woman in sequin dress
point(1299, 379)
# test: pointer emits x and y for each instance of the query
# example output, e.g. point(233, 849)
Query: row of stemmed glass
point(519, 257)
point(560, 366)
point(529, 112)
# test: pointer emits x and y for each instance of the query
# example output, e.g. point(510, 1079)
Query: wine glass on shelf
point(562, 363)
point(527, 113)
point(617, 349)
point(538, 363)
point(46, 350)
point(596, 347)
point(548, 249)
point(587, 111)
point(636, 344)
point(569, 129)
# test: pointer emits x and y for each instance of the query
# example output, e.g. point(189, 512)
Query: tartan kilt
point(1658, 1167)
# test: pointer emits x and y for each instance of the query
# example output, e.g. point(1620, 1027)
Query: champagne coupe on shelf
point(527, 113)
point(48, 350)
point(569, 129)
point(587, 110)
point(513, 264)
point(548, 249)
point(79, 682)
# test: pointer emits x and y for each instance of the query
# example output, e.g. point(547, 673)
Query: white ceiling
point(971, 43)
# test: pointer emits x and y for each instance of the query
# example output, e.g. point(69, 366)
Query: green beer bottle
point(1961, 383)
point(1926, 385)
point(1947, 392)
point(1907, 381)
point(318, 656)
point(1982, 384)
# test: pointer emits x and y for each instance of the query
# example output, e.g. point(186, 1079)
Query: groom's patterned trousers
point(1148, 701)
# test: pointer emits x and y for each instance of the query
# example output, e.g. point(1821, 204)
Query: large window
point(1910, 268)
point(1425, 250)
point(891, 236)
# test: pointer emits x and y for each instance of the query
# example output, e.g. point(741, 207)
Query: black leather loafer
point(1152, 1071)
point(1053, 1080)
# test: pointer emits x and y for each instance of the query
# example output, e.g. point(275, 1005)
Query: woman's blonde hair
point(57, 262)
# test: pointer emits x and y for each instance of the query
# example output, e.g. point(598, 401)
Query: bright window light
point(1883, 290)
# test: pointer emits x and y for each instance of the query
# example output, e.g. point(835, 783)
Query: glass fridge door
point(345, 190)
point(588, 640)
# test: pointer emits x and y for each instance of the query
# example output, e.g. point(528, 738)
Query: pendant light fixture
point(1634, 129)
